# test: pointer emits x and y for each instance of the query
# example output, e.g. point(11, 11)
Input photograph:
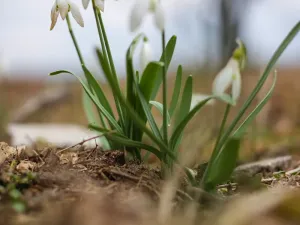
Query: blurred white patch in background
point(61, 135)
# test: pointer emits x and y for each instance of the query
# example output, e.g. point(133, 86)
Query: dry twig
point(82, 142)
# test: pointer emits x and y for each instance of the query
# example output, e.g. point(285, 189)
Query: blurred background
point(206, 31)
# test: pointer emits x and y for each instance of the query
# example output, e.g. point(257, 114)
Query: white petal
point(54, 16)
point(85, 3)
point(53, 10)
point(236, 86)
point(145, 55)
point(100, 4)
point(76, 14)
point(159, 16)
point(63, 8)
point(222, 81)
point(197, 98)
point(138, 12)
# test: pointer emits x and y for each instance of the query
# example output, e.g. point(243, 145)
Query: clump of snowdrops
point(134, 118)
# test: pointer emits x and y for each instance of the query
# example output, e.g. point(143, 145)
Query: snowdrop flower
point(141, 8)
point(197, 98)
point(62, 7)
point(145, 55)
point(230, 75)
point(98, 3)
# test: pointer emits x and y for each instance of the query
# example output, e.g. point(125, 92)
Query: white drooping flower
point(142, 8)
point(98, 3)
point(145, 54)
point(62, 7)
point(197, 98)
point(229, 76)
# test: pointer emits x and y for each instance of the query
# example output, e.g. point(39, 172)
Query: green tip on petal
point(240, 54)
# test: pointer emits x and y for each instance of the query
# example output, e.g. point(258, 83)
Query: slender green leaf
point(94, 99)
point(114, 84)
point(107, 48)
point(166, 55)
point(130, 143)
point(131, 96)
point(176, 91)
point(179, 129)
point(160, 108)
point(101, 129)
point(186, 100)
point(150, 75)
point(223, 165)
point(123, 140)
point(184, 108)
point(88, 109)
point(130, 69)
point(147, 84)
point(103, 63)
point(169, 51)
point(89, 112)
point(147, 111)
point(59, 72)
point(243, 127)
point(98, 91)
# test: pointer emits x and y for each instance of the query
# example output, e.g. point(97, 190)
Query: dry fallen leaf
point(69, 157)
point(26, 166)
point(6, 151)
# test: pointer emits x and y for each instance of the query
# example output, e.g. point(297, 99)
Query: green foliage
point(134, 107)
point(13, 186)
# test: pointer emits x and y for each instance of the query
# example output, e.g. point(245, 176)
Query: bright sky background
point(28, 47)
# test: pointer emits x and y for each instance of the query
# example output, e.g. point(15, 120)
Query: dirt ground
point(87, 186)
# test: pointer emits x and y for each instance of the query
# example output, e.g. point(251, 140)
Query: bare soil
point(51, 177)
point(90, 186)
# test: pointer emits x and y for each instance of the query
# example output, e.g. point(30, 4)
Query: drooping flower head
point(199, 97)
point(230, 75)
point(98, 3)
point(141, 8)
point(62, 7)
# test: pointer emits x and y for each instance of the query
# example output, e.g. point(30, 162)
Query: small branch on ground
point(263, 181)
point(84, 141)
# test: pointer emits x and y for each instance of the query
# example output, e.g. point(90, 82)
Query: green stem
point(108, 57)
point(102, 44)
point(74, 40)
point(111, 61)
point(95, 9)
point(165, 109)
point(215, 151)
point(81, 59)
point(222, 127)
